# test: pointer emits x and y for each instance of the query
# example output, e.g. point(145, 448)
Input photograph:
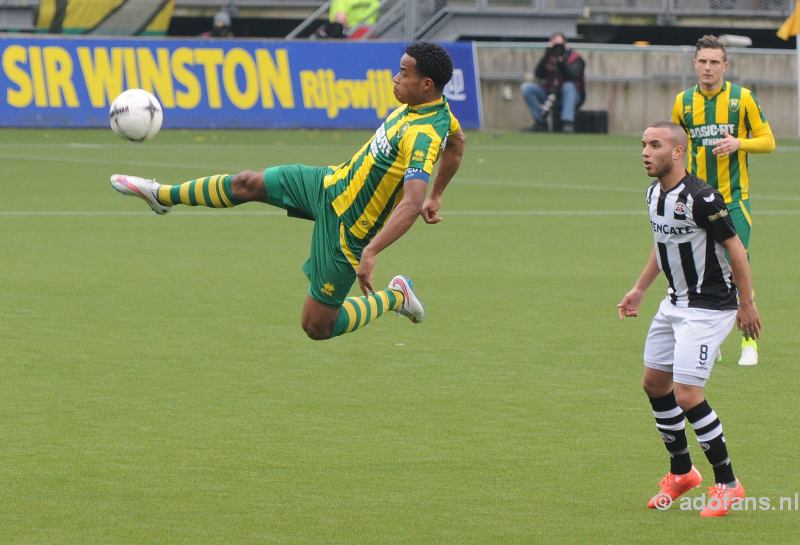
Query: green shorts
point(298, 189)
point(740, 214)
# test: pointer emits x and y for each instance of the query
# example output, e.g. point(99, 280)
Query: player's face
point(657, 151)
point(410, 85)
point(710, 66)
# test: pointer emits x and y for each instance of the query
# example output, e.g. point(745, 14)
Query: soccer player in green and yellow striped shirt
point(358, 207)
point(724, 123)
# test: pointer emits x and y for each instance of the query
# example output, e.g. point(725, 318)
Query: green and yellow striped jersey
point(364, 190)
point(734, 110)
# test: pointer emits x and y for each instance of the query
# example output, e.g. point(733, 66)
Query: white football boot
point(143, 188)
point(749, 353)
point(412, 307)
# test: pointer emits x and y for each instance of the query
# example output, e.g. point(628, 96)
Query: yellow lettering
point(387, 99)
point(37, 74)
point(321, 90)
point(313, 96)
point(58, 67)
point(275, 80)
point(242, 99)
point(154, 75)
point(131, 75)
point(102, 73)
point(329, 78)
point(189, 98)
point(13, 57)
point(211, 59)
point(360, 92)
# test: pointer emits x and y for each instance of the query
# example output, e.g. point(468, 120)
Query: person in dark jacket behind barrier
point(561, 84)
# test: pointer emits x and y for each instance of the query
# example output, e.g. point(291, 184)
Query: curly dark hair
point(433, 61)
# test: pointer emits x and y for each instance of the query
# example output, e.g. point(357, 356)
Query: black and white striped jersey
point(689, 222)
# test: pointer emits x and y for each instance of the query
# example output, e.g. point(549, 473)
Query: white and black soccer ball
point(136, 115)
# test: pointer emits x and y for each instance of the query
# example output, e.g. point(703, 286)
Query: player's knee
point(317, 331)
point(655, 389)
point(688, 397)
point(248, 185)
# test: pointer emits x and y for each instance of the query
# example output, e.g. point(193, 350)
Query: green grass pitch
point(156, 388)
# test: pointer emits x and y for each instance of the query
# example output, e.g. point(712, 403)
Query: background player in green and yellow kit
point(360, 206)
point(724, 123)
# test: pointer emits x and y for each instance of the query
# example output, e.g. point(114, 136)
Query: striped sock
point(212, 191)
point(708, 429)
point(357, 312)
point(672, 429)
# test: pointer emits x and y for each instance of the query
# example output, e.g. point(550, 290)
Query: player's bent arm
point(762, 140)
point(741, 268)
point(449, 162)
point(629, 306)
point(747, 317)
point(401, 219)
point(649, 273)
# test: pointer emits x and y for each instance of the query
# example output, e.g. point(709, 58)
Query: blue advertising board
point(201, 83)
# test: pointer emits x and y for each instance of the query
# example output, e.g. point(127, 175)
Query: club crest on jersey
point(680, 208)
point(733, 104)
point(328, 289)
point(418, 156)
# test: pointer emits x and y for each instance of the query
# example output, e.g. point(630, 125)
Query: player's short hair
point(433, 61)
point(563, 37)
point(709, 41)
point(677, 133)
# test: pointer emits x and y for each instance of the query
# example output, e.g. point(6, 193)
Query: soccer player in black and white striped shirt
point(692, 230)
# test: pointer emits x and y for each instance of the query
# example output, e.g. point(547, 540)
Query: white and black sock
point(672, 429)
point(708, 429)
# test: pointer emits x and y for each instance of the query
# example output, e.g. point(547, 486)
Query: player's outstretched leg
point(217, 191)
point(356, 312)
point(145, 189)
point(411, 307)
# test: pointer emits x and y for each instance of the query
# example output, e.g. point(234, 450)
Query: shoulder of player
point(689, 90)
point(438, 124)
point(650, 190)
point(702, 194)
point(695, 186)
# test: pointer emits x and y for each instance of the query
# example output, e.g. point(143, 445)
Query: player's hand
point(747, 320)
point(364, 273)
point(430, 210)
point(629, 306)
point(727, 145)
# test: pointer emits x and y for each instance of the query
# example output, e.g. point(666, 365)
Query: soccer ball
point(136, 115)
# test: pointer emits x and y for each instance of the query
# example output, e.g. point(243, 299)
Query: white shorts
point(684, 341)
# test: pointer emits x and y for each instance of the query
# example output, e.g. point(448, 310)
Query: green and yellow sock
point(357, 312)
point(212, 191)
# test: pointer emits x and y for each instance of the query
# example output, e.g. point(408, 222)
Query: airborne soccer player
point(724, 123)
point(692, 230)
point(358, 207)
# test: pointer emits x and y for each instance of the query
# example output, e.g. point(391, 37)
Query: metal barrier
point(635, 85)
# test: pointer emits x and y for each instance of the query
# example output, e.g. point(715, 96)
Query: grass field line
point(475, 181)
point(455, 213)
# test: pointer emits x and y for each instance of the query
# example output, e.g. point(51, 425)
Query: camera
point(547, 105)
